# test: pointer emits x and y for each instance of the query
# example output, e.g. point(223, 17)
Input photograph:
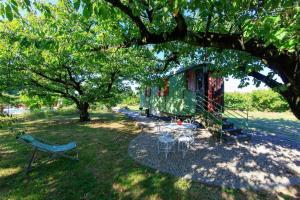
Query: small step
point(224, 119)
point(227, 125)
point(233, 131)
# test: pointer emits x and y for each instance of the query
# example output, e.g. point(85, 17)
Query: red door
point(215, 94)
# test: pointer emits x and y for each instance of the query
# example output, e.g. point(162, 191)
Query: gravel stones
point(268, 161)
point(258, 164)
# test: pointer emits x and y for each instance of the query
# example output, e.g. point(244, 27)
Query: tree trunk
point(292, 96)
point(1, 108)
point(295, 106)
point(290, 89)
point(83, 111)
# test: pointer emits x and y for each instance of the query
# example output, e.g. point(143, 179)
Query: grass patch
point(284, 124)
point(105, 171)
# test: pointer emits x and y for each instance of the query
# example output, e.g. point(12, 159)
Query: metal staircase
point(224, 122)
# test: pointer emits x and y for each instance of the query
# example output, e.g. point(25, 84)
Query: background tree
point(54, 56)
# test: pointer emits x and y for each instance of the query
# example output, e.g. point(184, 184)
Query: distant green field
point(273, 115)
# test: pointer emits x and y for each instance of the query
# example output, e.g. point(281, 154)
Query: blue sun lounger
point(40, 145)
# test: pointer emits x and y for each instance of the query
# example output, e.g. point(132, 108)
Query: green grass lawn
point(284, 124)
point(104, 171)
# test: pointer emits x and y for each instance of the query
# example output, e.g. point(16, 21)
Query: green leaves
point(87, 8)
point(8, 12)
point(261, 100)
point(76, 4)
point(9, 9)
point(54, 55)
point(274, 22)
point(27, 3)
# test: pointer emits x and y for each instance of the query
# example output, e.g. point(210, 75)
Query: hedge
point(260, 100)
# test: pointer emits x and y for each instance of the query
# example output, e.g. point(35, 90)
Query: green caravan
point(182, 91)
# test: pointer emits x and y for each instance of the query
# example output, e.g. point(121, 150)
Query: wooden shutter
point(215, 92)
point(191, 79)
point(211, 86)
point(147, 92)
point(166, 87)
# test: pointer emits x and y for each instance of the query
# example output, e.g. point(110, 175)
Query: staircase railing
point(211, 119)
point(241, 118)
point(219, 111)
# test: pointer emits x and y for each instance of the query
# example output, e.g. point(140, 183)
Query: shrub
point(237, 100)
point(268, 100)
point(131, 100)
point(261, 100)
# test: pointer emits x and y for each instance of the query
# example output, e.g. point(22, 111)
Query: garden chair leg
point(31, 161)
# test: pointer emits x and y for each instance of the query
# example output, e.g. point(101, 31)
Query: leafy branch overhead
point(265, 33)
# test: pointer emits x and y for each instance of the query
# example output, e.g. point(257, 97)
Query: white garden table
point(184, 140)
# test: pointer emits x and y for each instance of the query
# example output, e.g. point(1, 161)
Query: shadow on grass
point(281, 127)
point(104, 171)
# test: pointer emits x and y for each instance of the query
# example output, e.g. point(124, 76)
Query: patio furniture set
point(176, 132)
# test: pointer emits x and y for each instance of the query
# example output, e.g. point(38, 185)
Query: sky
point(231, 85)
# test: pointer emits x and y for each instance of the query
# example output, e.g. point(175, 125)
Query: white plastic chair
point(165, 141)
point(165, 144)
point(184, 143)
point(188, 133)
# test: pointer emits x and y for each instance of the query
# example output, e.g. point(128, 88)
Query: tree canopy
point(245, 36)
point(55, 57)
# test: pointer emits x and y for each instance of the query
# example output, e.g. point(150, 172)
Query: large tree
point(54, 56)
point(268, 31)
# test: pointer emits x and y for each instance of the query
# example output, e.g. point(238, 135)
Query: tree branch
point(113, 77)
point(43, 75)
point(77, 85)
point(209, 19)
point(149, 10)
point(265, 79)
point(125, 9)
point(64, 94)
point(181, 27)
point(173, 57)
point(270, 55)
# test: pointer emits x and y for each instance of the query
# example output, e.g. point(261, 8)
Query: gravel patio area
point(259, 164)
point(268, 162)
